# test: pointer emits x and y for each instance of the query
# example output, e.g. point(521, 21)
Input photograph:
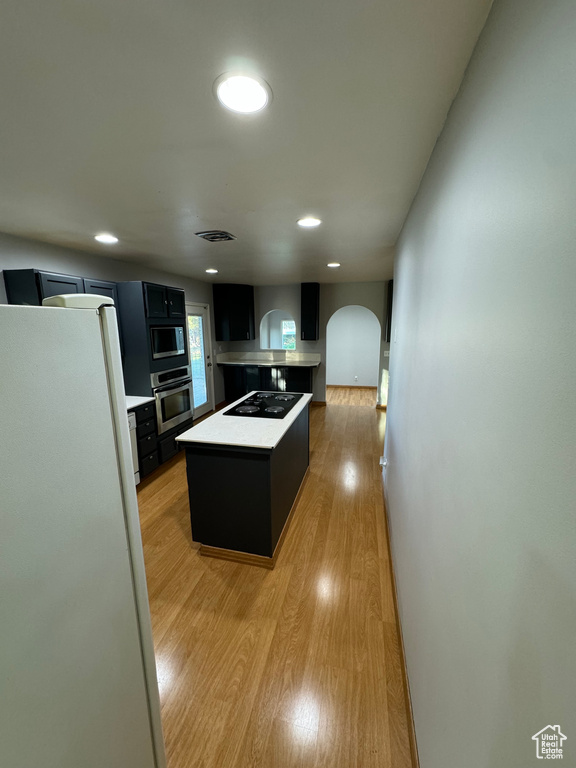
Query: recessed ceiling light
point(212, 271)
point(309, 221)
point(241, 93)
point(333, 265)
point(106, 237)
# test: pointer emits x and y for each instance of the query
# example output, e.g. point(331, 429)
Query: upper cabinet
point(233, 312)
point(102, 288)
point(310, 311)
point(176, 302)
point(164, 302)
point(31, 286)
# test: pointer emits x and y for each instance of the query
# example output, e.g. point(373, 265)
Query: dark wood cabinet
point(297, 379)
point(176, 302)
point(155, 299)
point(30, 286)
point(161, 301)
point(154, 449)
point(233, 312)
point(52, 284)
point(102, 288)
point(309, 311)
point(234, 382)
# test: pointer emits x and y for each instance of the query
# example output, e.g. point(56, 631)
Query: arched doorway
point(353, 336)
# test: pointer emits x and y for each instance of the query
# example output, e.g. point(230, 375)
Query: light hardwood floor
point(364, 396)
point(298, 667)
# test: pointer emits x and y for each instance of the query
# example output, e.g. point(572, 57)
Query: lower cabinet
point(154, 449)
point(241, 379)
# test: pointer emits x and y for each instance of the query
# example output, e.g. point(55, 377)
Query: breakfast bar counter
point(244, 474)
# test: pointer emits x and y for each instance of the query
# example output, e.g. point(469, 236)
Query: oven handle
point(182, 384)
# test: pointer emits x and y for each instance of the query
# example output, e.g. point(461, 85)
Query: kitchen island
point(244, 475)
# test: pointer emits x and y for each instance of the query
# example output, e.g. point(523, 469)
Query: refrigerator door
point(74, 667)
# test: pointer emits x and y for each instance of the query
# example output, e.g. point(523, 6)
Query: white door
point(198, 319)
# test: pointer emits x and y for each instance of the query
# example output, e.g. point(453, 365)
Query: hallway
point(299, 666)
point(358, 396)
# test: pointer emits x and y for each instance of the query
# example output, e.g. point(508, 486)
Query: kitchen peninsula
point(281, 371)
point(245, 465)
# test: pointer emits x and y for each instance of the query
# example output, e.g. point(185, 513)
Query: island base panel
point(230, 498)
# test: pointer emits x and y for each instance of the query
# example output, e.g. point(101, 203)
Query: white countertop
point(241, 430)
point(133, 401)
point(267, 364)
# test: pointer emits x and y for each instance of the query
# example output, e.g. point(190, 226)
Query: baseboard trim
point(405, 681)
point(348, 386)
point(237, 557)
point(318, 402)
point(246, 558)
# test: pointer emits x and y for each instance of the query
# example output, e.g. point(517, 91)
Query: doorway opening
point(353, 337)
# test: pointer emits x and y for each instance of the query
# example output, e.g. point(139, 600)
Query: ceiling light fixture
point(333, 265)
point(243, 94)
point(309, 221)
point(212, 271)
point(106, 238)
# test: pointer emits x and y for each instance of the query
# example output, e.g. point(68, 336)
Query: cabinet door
point(252, 378)
point(156, 301)
point(309, 311)
point(242, 313)
point(176, 302)
point(234, 382)
point(102, 288)
point(53, 285)
point(268, 379)
point(298, 379)
point(233, 312)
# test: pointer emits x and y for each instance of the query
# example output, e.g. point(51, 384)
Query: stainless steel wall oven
point(173, 395)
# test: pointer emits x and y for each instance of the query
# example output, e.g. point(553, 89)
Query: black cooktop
point(265, 405)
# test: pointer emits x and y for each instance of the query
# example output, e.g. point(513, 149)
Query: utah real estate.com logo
point(549, 743)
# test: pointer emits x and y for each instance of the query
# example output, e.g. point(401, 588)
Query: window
point(288, 334)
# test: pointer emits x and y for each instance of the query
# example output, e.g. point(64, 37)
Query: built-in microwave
point(167, 341)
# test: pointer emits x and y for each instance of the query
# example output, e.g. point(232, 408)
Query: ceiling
point(109, 123)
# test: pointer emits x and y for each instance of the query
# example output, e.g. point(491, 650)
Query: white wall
point(481, 433)
point(19, 253)
point(353, 347)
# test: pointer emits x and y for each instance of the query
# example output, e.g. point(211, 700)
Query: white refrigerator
point(78, 682)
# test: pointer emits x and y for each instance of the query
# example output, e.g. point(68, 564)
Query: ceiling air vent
point(216, 236)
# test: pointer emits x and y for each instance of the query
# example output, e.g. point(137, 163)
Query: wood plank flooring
point(298, 667)
point(363, 396)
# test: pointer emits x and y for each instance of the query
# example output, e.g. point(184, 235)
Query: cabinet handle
point(247, 334)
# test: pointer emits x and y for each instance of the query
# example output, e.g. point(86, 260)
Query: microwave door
point(167, 341)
